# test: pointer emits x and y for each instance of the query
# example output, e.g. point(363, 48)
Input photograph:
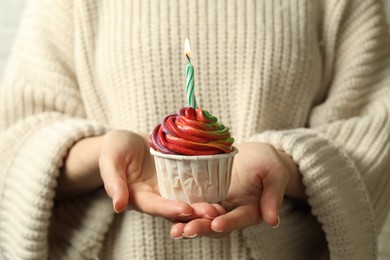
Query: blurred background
point(10, 13)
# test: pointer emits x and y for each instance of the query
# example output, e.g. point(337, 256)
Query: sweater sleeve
point(42, 116)
point(344, 153)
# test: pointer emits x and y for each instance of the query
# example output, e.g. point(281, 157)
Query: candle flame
point(187, 49)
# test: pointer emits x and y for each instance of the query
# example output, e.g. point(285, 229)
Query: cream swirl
point(191, 132)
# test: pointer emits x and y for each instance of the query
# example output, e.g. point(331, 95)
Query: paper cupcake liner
point(194, 179)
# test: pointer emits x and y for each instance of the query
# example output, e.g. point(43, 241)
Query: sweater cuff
point(31, 168)
point(335, 190)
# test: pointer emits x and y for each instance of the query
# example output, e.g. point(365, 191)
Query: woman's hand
point(120, 160)
point(129, 177)
point(261, 177)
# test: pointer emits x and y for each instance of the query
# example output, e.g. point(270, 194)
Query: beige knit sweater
point(309, 77)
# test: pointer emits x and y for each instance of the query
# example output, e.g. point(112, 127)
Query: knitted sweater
point(309, 77)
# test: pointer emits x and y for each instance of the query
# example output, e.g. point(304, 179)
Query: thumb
point(120, 198)
point(115, 183)
point(274, 186)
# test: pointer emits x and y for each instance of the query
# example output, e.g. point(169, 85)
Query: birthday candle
point(190, 85)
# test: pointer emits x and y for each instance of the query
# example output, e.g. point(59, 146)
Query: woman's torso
point(257, 66)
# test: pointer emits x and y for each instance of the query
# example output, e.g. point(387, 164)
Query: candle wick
point(188, 58)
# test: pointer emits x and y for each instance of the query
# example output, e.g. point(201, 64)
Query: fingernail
point(185, 214)
point(114, 202)
point(277, 225)
point(190, 236)
point(208, 216)
point(217, 230)
point(177, 238)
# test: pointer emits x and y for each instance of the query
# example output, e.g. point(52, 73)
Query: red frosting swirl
point(191, 132)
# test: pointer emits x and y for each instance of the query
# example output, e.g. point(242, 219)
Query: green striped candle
point(190, 86)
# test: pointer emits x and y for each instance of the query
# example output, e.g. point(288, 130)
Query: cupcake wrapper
point(194, 179)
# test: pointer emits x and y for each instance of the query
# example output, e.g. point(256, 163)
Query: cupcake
point(194, 155)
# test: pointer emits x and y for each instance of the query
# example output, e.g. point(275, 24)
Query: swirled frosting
point(191, 132)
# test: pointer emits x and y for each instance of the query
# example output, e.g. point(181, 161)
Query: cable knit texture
point(309, 77)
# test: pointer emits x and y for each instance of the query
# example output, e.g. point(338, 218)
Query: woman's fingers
point(221, 210)
point(204, 210)
point(145, 200)
point(177, 230)
point(192, 229)
point(195, 228)
point(239, 218)
point(199, 223)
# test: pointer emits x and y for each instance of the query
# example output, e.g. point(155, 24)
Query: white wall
point(10, 13)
